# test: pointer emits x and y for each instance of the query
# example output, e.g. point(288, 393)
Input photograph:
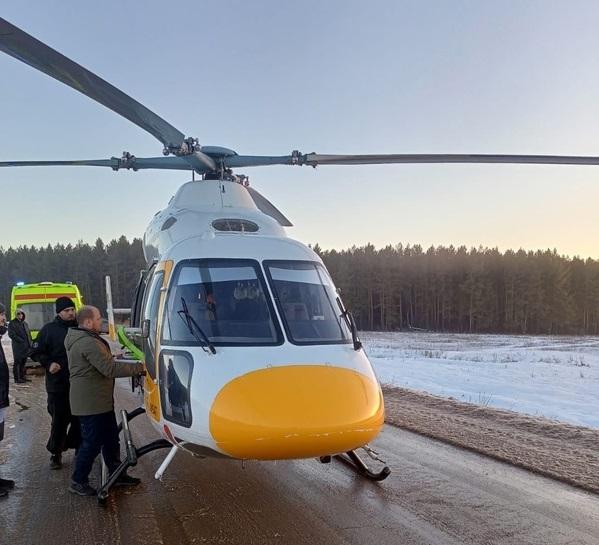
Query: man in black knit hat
point(49, 350)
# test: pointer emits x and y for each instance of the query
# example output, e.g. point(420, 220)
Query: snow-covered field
point(554, 377)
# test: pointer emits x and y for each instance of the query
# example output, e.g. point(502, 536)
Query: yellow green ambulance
point(37, 301)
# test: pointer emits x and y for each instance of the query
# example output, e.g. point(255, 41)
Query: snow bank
point(554, 377)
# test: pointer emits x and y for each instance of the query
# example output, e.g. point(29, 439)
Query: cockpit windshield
point(306, 300)
point(228, 300)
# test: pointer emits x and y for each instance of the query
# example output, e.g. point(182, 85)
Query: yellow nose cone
point(299, 411)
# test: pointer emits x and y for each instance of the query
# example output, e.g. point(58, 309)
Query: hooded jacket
point(48, 348)
point(93, 371)
point(18, 331)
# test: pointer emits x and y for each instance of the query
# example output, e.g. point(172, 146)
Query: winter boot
point(56, 461)
point(127, 480)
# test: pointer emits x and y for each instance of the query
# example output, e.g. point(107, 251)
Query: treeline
point(393, 288)
point(83, 264)
point(467, 290)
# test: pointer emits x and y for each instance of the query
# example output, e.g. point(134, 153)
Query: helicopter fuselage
point(247, 349)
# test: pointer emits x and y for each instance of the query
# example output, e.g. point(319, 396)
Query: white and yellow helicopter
point(250, 353)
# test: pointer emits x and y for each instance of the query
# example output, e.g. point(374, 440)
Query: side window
point(151, 313)
point(136, 307)
point(175, 380)
point(141, 296)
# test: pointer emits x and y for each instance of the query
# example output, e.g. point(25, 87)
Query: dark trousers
point(99, 432)
point(64, 430)
point(18, 369)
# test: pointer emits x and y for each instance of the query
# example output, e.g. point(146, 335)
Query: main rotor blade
point(264, 205)
point(116, 163)
point(242, 161)
point(84, 162)
point(314, 159)
point(31, 51)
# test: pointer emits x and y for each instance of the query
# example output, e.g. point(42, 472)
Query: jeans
point(99, 432)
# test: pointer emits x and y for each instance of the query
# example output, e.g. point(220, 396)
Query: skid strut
point(132, 453)
point(351, 459)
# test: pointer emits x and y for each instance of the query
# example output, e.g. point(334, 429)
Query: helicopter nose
point(298, 411)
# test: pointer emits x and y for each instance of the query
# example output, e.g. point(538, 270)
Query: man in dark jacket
point(93, 371)
point(5, 484)
point(49, 350)
point(18, 331)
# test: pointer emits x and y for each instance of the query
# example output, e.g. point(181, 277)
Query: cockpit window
point(307, 302)
point(226, 298)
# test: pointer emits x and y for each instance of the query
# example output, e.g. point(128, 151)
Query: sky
point(268, 77)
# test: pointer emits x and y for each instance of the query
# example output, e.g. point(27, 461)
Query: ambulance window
point(38, 314)
point(306, 299)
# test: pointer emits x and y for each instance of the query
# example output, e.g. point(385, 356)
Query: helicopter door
point(151, 314)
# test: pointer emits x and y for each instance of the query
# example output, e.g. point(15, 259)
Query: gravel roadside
point(562, 451)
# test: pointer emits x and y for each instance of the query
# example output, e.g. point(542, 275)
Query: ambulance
point(37, 301)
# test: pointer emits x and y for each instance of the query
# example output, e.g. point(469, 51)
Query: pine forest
point(450, 289)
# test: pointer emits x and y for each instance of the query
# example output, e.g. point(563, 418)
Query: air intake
point(235, 225)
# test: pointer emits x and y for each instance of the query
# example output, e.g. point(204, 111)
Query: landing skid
point(132, 454)
point(351, 459)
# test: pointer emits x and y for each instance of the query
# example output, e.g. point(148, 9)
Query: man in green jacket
point(93, 370)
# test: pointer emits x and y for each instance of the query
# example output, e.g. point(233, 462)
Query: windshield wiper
point(194, 328)
point(351, 324)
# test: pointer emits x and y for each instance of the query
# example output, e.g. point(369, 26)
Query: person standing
point(50, 351)
point(5, 484)
point(18, 331)
point(93, 371)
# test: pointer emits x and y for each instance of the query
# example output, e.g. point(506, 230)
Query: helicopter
point(249, 350)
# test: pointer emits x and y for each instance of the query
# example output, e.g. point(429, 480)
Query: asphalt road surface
point(437, 494)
